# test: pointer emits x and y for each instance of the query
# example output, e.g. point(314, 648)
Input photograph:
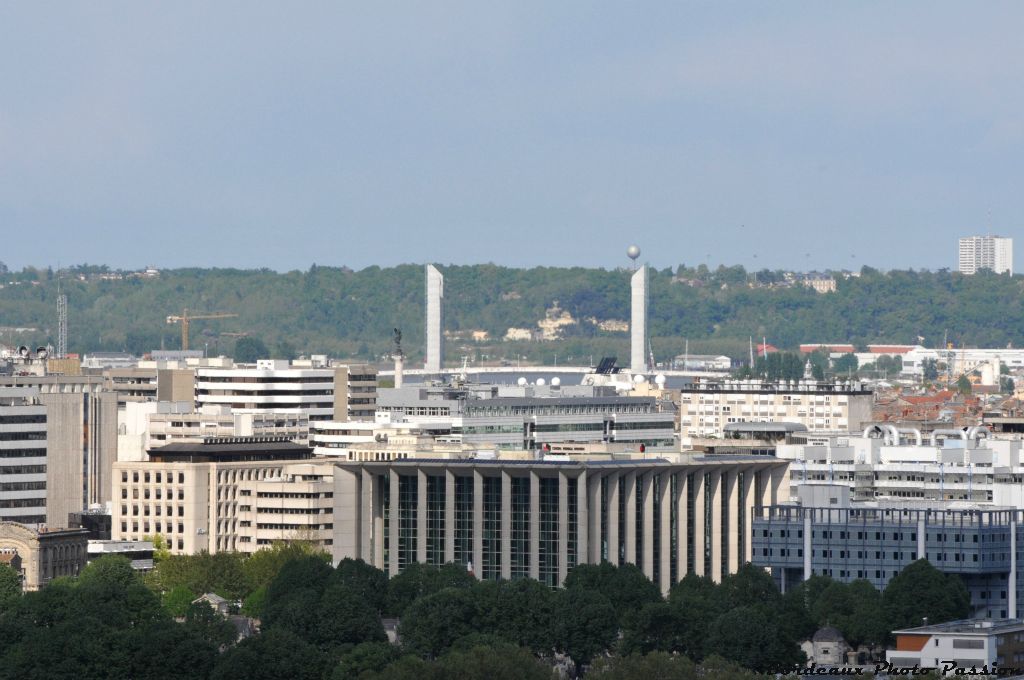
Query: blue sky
point(249, 134)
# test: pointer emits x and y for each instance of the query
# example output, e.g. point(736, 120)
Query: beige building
point(225, 494)
point(41, 556)
point(513, 518)
point(706, 408)
point(179, 422)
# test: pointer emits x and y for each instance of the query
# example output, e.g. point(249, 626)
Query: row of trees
point(320, 621)
point(342, 312)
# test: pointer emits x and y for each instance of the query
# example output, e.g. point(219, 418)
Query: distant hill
point(345, 313)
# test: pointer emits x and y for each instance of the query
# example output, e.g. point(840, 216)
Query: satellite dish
point(521, 382)
point(541, 382)
point(555, 382)
point(23, 351)
point(41, 353)
point(660, 380)
point(639, 379)
point(633, 252)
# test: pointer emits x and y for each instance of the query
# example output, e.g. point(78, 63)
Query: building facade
point(238, 494)
point(875, 542)
point(341, 392)
point(706, 408)
point(947, 466)
point(985, 252)
point(23, 461)
point(39, 556)
point(507, 519)
point(955, 647)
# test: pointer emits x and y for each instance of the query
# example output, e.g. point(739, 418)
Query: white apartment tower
point(638, 324)
point(434, 335)
point(985, 252)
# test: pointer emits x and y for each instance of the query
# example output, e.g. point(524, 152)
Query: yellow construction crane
point(185, 319)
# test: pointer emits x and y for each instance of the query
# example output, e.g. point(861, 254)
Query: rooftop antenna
point(62, 318)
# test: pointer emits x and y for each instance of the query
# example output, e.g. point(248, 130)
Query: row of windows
point(297, 511)
point(157, 510)
point(22, 486)
point(148, 477)
point(157, 494)
point(22, 436)
point(22, 469)
point(23, 453)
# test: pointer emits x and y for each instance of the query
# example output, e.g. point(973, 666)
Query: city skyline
point(774, 137)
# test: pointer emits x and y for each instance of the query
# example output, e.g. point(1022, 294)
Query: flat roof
point(967, 627)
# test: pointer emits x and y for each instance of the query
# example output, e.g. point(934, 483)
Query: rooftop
point(967, 627)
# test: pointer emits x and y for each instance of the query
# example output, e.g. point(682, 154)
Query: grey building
point(482, 416)
point(81, 441)
point(876, 543)
point(507, 518)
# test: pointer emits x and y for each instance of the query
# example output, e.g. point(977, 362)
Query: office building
point(41, 555)
point(180, 422)
point(236, 494)
point(434, 330)
point(874, 541)
point(985, 252)
point(338, 393)
point(706, 408)
point(638, 323)
point(507, 518)
point(527, 417)
point(888, 463)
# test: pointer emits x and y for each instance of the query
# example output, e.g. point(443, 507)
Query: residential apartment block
point(985, 252)
point(706, 408)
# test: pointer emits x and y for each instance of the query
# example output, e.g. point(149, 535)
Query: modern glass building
point(875, 543)
point(508, 518)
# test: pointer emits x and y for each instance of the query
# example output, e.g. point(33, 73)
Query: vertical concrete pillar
point(665, 501)
point(714, 493)
point(421, 515)
point(731, 492)
point(645, 484)
point(478, 523)
point(698, 521)
point(921, 536)
point(747, 508)
point(1011, 580)
point(563, 524)
point(590, 515)
point(808, 544)
point(630, 537)
point(613, 517)
point(365, 528)
point(393, 523)
point(506, 525)
point(534, 524)
point(449, 516)
point(682, 523)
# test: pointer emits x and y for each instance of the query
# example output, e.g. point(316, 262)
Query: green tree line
point(326, 622)
point(341, 312)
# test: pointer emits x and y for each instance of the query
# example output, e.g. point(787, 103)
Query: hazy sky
point(250, 134)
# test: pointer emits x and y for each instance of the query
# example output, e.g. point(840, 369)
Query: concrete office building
point(706, 408)
point(39, 556)
point(513, 518)
point(434, 331)
point(22, 456)
point(953, 465)
point(237, 494)
point(875, 541)
point(528, 417)
point(638, 324)
point(81, 441)
point(985, 252)
point(180, 422)
point(338, 393)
